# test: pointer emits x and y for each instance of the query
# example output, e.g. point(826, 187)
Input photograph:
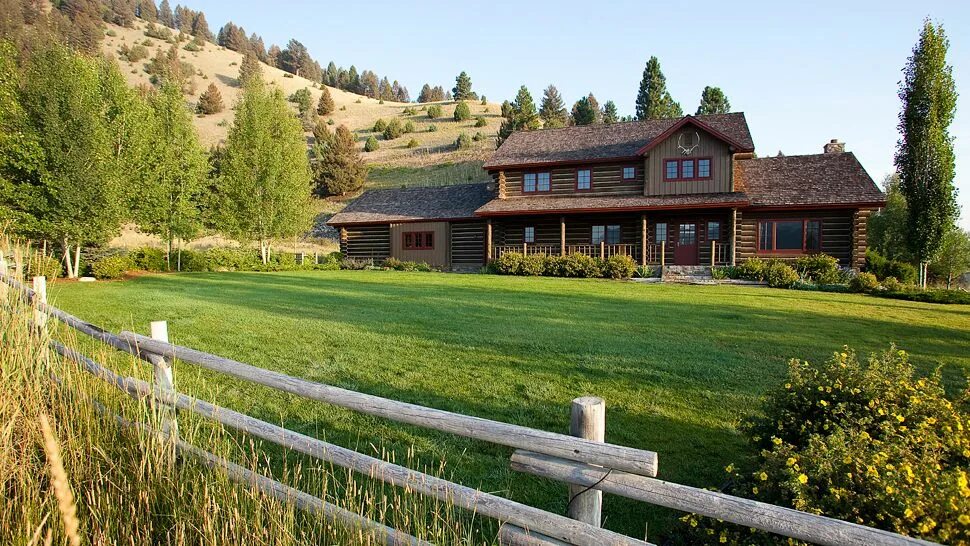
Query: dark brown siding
point(437, 256)
point(836, 232)
point(700, 218)
point(366, 242)
point(467, 245)
point(607, 180)
point(709, 147)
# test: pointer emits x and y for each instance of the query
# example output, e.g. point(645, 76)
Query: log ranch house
point(669, 192)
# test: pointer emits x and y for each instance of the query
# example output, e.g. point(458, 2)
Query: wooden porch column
point(734, 235)
point(643, 239)
point(488, 240)
point(562, 235)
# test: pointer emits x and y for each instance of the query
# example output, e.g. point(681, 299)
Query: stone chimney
point(834, 146)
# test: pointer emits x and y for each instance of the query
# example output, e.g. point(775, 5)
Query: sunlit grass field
point(677, 365)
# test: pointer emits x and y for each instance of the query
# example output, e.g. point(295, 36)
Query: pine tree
point(713, 101)
point(249, 69)
point(183, 19)
point(463, 87)
point(520, 115)
point(330, 77)
point(165, 15)
point(924, 155)
point(463, 112)
point(146, 10)
point(338, 168)
point(610, 114)
point(586, 111)
point(653, 99)
point(200, 27)
point(553, 110)
point(257, 47)
point(325, 105)
point(264, 184)
point(273, 56)
point(210, 101)
point(353, 80)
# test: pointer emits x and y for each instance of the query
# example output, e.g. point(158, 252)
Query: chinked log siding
point(607, 180)
point(860, 236)
point(709, 147)
point(437, 256)
point(366, 242)
point(467, 245)
point(837, 235)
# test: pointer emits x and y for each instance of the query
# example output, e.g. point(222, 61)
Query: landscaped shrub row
point(570, 265)
point(399, 265)
point(117, 265)
point(775, 272)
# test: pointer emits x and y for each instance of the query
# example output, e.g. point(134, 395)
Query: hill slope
point(216, 64)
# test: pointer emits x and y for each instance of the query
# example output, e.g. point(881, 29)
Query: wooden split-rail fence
point(583, 460)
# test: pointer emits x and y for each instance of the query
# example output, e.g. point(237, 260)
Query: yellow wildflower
point(889, 489)
point(823, 403)
point(964, 519)
point(791, 461)
point(802, 479)
point(754, 490)
point(763, 476)
point(900, 418)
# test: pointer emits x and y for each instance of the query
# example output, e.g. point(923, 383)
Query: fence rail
point(583, 460)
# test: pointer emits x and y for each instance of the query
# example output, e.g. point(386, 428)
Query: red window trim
point(680, 169)
point(789, 251)
point(623, 172)
point(537, 190)
point(415, 235)
point(576, 178)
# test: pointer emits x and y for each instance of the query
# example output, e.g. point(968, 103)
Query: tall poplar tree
point(552, 110)
point(713, 101)
point(924, 154)
point(653, 99)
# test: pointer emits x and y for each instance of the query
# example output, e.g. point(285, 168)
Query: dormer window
point(584, 179)
point(629, 173)
point(681, 170)
point(536, 182)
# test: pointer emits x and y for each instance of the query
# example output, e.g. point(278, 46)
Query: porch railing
point(720, 252)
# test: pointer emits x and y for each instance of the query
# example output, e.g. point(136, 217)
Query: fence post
point(164, 382)
point(588, 421)
point(40, 297)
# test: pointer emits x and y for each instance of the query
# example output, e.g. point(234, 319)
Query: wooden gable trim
point(700, 125)
point(565, 162)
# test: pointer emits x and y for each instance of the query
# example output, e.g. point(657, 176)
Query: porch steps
point(687, 274)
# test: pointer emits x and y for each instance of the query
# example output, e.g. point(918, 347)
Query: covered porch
point(703, 237)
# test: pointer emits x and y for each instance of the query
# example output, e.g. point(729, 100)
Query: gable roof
point(603, 142)
point(807, 180)
point(414, 204)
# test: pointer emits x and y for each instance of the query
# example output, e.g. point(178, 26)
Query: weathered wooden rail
point(584, 461)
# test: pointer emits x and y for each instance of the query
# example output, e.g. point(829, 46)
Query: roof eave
point(635, 208)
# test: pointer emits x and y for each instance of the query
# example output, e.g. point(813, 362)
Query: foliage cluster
point(883, 267)
point(406, 265)
point(570, 265)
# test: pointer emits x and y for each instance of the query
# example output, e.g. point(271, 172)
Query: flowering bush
point(780, 275)
point(863, 282)
point(869, 443)
point(619, 266)
point(819, 268)
point(752, 269)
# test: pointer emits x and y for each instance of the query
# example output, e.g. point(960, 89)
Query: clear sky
point(802, 72)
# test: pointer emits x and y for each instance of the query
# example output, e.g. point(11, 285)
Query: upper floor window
point(606, 234)
point(529, 234)
point(584, 179)
point(660, 232)
point(687, 169)
point(629, 173)
point(533, 182)
point(418, 240)
point(713, 231)
point(790, 236)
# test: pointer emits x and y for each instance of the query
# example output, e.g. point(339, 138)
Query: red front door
point(685, 253)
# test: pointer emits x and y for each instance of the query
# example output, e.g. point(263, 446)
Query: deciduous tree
point(953, 257)
point(887, 228)
point(653, 99)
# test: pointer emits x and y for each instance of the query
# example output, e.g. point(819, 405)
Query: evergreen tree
point(713, 101)
point(463, 87)
point(553, 110)
point(610, 115)
point(586, 111)
point(210, 101)
point(264, 183)
point(338, 168)
point(273, 56)
point(183, 19)
point(249, 69)
point(257, 47)
point(120, 12)
point(400, 92)
point(200, 27)
point(369, 84)
point(330, 77)
point(924, 155)
point(165, 15)
point(653, 99)
point(463, 112)
point(353, 81)
point(425, 94)
point(325, 105)
point(520, 115)
point(146, 10)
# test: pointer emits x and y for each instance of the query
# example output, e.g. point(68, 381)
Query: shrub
point(555, 266)
point(532, 265)
point(479, 136)
point(647, 271)
point(509, 263)
point(780, 275)
point(581, 265)
point(867, 442)
point(409, 127)
point(371, 145)
point(354, 264)
point(434, 111)
point(229, 259)
point(724, 272)
point(393, 130)
point(413, 143)
point(111, 33)
point(480, 121)
point(192, 260)
point(149, 259)
point(619, 266)
point(929, 296)
point(818, 268)
point(462, 111)
point(380, 125)
point(432, 128)
point(882, 267)
point(136, 53)
point(463, 141)
point(408, 111)
point(752, 269)
point(112, 267)
point(43, 266)
point(892, 284)
point(864, 282)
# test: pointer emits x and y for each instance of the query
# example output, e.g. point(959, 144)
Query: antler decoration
point(687, 150)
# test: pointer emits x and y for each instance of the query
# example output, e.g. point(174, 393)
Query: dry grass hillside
point(215, 64)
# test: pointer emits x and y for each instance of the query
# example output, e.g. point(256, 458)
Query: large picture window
point(584, 179)
point(680, 170)
point(606, 234)
point(418, 240)
point(790, 236)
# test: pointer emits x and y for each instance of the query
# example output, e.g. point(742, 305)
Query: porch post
point(643, 240)
point(488, 240)
point(734, 235)
point(562, 235)
point(602, 250)
point(663, 254)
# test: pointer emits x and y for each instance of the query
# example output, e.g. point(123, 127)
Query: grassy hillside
point(215, 64)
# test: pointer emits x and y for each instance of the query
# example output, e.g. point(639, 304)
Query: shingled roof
point(414, 204)
point(549, 204)
point(606, 141)
point(807, 180)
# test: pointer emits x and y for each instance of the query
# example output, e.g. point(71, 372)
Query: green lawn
point(677, 365)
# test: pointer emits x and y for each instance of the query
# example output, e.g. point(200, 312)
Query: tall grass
point(72, 473)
